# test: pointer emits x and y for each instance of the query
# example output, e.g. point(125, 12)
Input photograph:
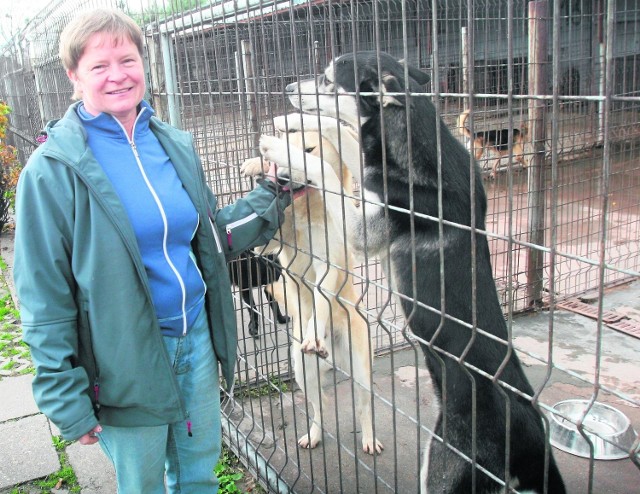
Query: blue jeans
point(142, 455)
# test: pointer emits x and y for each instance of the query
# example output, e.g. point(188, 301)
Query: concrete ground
point(337, 465)
point(266, 428)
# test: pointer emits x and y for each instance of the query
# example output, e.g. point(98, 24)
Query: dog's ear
point(417, 75)
point(390, 85)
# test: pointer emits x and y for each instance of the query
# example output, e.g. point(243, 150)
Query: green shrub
point(9, 168)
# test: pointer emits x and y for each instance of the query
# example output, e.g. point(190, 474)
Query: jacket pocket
point(235, 225)
point(86, 355)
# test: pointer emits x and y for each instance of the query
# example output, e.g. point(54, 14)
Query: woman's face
point(110, 76)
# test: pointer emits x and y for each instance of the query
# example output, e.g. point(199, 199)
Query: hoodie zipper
point(162, 215)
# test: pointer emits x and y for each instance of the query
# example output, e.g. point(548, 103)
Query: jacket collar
point(67, 142)
point(108, 126)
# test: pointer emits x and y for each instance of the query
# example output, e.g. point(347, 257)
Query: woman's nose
point(116, 73)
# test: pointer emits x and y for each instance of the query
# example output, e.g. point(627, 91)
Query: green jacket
point(85, 302)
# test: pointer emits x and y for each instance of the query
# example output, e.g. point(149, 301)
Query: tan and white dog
point(319, 295)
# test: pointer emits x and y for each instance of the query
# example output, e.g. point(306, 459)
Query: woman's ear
point(77, 89)
point(72, 76)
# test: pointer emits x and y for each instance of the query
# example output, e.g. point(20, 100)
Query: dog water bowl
point(608, 429)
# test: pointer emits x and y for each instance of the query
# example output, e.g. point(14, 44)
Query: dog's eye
point(309, 149)
point(328, 84)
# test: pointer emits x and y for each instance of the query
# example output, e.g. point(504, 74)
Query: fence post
point(464, 66)
point(156, 76)
point(249, 79)
point(601, 65)
point(538, 57)
point(170, 79)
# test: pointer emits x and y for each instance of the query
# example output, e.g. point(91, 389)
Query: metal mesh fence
point(562, 222)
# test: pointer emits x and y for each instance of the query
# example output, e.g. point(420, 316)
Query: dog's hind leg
point(254, 324)
point(324, 292)
point(306, 371)
point(305, 368)
point(357, 346)
point(494, 168)
point(424, 470)
point(275, 308)
point(446, 471)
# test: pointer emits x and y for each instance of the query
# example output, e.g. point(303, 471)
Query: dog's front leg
point(254, 167)
point(310, 380)
point(294, 164)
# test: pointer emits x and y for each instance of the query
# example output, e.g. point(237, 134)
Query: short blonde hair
point(76, 35)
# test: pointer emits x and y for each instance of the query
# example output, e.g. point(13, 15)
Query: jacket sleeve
point(251, 220)
point(46, 291)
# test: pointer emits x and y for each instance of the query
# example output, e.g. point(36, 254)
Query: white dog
point(319, 294)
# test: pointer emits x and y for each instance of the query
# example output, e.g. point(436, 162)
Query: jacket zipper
point(235, 224)
point(96, 395)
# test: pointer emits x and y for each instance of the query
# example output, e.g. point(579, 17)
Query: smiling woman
point(121, 273)
point(104, 63)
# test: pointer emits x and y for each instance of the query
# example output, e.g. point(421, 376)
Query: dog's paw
point(372, 446)
point(274, 149)
point(311, 346)
point(254, 329)
point(309, 441)
point(254, 167)
point(282, 318)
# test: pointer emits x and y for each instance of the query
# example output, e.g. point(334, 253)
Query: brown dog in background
point(495, 143)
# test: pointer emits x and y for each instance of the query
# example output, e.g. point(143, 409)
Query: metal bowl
point(608, 429)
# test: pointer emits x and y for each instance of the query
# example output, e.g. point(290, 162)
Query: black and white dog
point(487, 435)
point(249, 271)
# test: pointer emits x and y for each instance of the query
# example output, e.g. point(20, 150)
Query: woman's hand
point(272, 174)
point(90, 437)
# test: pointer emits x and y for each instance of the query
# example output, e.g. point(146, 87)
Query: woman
point(121, 273)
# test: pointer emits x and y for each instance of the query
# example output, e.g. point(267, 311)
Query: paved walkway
point(27, 450)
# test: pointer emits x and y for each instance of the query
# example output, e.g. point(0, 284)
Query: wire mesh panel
point(544, 96)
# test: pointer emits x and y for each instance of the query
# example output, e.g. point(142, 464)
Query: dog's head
point(313, 143)
point(355, 85)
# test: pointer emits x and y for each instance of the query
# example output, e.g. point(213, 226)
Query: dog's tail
point(462, 123)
